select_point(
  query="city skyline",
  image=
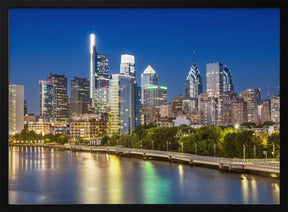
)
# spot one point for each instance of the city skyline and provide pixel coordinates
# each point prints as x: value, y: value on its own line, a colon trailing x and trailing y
x: 262, y: 59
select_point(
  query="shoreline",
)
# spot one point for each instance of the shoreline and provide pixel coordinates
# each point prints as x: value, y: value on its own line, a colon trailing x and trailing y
x: 61, y: 147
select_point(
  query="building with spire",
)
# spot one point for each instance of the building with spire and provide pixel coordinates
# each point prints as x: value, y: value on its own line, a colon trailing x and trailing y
x: 193, y: 81
x: 99, y: 78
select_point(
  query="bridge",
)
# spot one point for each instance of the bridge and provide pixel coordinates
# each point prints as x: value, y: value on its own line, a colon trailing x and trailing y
x: 263, y: 165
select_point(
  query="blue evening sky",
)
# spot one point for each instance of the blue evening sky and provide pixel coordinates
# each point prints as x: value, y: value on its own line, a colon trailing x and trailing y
x: 57, y: 41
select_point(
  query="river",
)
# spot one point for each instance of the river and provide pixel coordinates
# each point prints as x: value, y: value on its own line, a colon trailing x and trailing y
x: 39, y: 175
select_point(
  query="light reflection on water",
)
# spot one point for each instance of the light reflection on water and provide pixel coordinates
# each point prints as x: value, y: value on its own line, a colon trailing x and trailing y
x: 41, y: 176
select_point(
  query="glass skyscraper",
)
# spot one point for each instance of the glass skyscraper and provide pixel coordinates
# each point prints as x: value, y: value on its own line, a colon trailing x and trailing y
x: 98, y: 72
x: 228, y: 86
x: 80, y: 101
x: 148, y: 78
x: 47, y: 100
x: 193, y: 82
x: 60, y: 83
x: 253, y: 98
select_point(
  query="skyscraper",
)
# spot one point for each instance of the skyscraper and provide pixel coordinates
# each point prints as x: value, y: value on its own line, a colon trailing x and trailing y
x: 177, y: 105
x: 80, y: 101
x: 275, y: 109
x: 208, y: 110
x: 16, y: 108
x: 266, y: 111
x: 47, y: 100
x: 60, y: 83
x: 127, y: 65
x: 214, y: 79
x: 98, y: 72
x: 124, y: 98
x: 148, y: 78
x: 252, y: 97
x: 193, y: 81
x: 228, y: 86
x: 122, y: 115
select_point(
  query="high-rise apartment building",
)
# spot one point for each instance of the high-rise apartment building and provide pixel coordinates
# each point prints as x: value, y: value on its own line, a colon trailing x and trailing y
x: 193, y: 81
x: 124, y: 98
x: 177, y: 105
x: 252, y: 97
x: 265, y: 111
x: 16, y: 108
x: 47, y: 100
x: 275, y: 109
x: 122, y: 114
x: 207, y: 110
x: 99, y: 77
x: 60, y: 82
x: 80, y: 101
x: 239, y: 111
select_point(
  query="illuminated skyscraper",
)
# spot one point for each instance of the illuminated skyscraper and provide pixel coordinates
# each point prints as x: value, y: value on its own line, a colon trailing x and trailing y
x: 127, y: 65
x: 252, y: 97
x: 148, y: 78
x: 80, y: 101
x: 275, y: 109
x: 16, y: 108
x: 193, y: 81
x: 98, y: 72
x: 60, y: 83
x: 228, y: 86
x: 214, y: 79
x: 47, y: 100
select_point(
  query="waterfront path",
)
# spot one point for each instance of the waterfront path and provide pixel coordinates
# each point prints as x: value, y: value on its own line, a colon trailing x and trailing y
x: 262, y: 165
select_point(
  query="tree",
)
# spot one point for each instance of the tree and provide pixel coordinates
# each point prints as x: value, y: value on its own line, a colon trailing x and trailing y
x: 248, y: 124
x: 273, y: 139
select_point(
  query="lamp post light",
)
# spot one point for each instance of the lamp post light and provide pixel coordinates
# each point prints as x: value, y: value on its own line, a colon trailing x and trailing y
x: 214, y: 150
x: 152, y: 144
x: 182, y: 146
x: 195, y: 148
x: 244, y: 151
x: 273, y: 151
x: 167, y: 145
x: 254, y: 151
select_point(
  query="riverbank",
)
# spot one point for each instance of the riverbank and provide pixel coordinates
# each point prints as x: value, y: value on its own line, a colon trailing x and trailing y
x: 60, y: 147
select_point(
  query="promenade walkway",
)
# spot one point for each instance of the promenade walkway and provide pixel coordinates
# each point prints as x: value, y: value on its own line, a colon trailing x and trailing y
x: 264, y: 165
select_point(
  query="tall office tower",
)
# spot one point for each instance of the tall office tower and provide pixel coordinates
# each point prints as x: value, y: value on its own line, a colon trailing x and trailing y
x: 122, y: 114
x: 193, y: 81
x: 239, y: 111
x: 177, y: 105
x: 80, y: 101
x: 60, y: 83
x: 47, y: 100
x: 207, y: 110
x: 265, y: 111
x: 16, y: 108
x: 252, y: 97
x: 275, y: 109
x: 127, y: 65
x: 228, y: 86
x: 214, y: 79
x: 148, y: 78
x: 99, y: 77
x: 155, y: 95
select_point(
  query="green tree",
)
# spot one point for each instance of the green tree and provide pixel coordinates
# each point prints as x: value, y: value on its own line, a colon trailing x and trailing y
x: 273, y: 139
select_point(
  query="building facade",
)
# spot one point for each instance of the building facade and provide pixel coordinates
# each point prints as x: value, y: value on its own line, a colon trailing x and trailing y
x: 16, y: 108
x: 265, y: 111
x: 47, y: 100
x: 239, y: 111
x: 148, y: 78
x: 228, y: 86
x: 252, y: 97
x: 275, y: 109
x: 60, y: 84
x: 80, y: 101
x: 177, y: 105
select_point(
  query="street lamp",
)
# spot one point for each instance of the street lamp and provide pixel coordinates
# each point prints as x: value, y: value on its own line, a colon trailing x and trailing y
x: 244, y: 151
x: 214, y: 150
x: 254, y: 151
x: 152, y: 144
x: 273, y: 150
x: 182, y: 146
x: 167, y: 145
x: 195, y: 148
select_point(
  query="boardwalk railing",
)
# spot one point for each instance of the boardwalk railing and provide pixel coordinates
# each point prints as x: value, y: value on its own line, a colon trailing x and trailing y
x: 263, y: 163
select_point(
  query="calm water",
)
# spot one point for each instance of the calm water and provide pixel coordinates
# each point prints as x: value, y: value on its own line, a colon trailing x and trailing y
x: 42, y: 176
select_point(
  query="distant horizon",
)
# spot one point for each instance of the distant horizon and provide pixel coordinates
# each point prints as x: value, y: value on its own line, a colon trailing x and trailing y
x: 44, y: 41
